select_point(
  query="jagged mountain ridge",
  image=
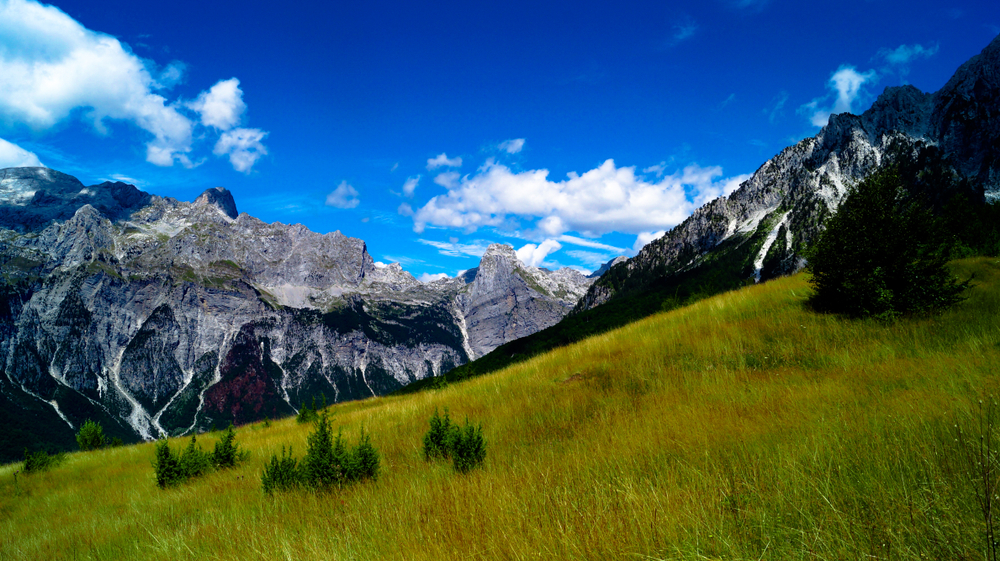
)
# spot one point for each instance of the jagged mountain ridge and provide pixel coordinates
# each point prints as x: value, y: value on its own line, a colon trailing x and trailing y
x: 161, y: 317
x: 761, y: 230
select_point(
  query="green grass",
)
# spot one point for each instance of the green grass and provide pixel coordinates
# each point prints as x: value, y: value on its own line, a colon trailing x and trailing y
x: 740, y: 427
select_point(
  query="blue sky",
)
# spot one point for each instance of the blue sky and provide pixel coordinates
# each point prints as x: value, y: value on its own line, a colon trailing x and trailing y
x: 574, y: 132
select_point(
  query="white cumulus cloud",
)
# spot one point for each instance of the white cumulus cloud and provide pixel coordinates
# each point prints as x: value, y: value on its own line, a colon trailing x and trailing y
x: 221, y: 106
x: 243, y: 147
x: 442, y: 160
x: 411, y: 185
x: 534, y: 255
x: 344, y: 196
x: 904, y: 54
x: 428, y: 277
x: 645, y: 237
x: 602, y: 200
x: 512, y: 146
x: 54, y: 69
x: 13, y: 156
x: 846, y: 84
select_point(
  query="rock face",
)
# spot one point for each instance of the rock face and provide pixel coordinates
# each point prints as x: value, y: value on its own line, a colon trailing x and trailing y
x: 507, y: 300
x: 761, y: 230
x: 165, y: 317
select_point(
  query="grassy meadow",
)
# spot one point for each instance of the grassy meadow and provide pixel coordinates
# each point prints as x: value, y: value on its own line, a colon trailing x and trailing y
x: 740, y: 427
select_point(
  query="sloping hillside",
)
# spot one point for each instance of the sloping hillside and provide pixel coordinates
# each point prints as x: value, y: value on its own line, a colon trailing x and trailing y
x: 741, y: 427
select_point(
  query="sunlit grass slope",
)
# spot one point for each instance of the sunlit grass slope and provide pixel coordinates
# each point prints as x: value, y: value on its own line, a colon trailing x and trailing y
x: 741, y: 427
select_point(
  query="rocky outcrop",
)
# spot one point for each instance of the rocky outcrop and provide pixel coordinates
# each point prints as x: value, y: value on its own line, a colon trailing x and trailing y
x: 220, y: 198
x: 507, y: 300
x: 761, y: 230
x: 165, y: 317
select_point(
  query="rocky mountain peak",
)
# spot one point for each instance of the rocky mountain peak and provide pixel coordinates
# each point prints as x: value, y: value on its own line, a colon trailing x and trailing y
x: 495, y: 269
x: 221, y: 198
x: 605, y: 267
x: 33, y: 198
x: 500, y: 251
x: 904, y: 109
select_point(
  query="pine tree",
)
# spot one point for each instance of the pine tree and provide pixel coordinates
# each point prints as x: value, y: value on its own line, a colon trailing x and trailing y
x: 469, y: 448
x: 321, y: 467
x: 166, y: 465
x: 438, y: 439
x: 282, y: 474
x: 91, y: 436
x: 365, y: 461
x: 193, y: 461
x: 227, y: 452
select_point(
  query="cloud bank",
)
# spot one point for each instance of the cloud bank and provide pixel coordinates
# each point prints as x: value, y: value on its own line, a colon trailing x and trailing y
x: 13, y: 156
x: 603, y: 200
x: 54, y: 68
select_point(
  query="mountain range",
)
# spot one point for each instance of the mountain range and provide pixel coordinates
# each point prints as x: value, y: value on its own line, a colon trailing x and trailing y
x: 160, y: 317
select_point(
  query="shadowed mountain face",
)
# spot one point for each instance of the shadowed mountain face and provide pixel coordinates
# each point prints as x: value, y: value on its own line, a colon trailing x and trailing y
x: 33, y: 198
x: 763, y: 228
x: 163, y: 317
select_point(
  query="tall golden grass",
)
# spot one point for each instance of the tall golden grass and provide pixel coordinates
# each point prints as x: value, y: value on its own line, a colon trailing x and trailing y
x: 741, y: 427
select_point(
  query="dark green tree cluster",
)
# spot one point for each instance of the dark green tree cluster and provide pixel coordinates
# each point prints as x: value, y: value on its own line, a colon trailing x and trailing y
x: 172, y: 468
x: 328, y: 462
x: 40, y: 460
x: 465, y: 446
x: 883, y: 254
x: 91, y: 437
x: 281, y: 474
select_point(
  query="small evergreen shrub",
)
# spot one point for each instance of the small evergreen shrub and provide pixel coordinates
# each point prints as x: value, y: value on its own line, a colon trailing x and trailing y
x: 322, y: 467
x: 193, y: 461
x: 39, y: 461
x: 366, y: 462
x: 91, y: 436
x: 438, y: 440
x: 328, y: 462
x: 227, y: 452
x: 166, y: 464
x: 310, y: 414
x: 172, y: 468
x: 282, y: 474
x: 466, y: 446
